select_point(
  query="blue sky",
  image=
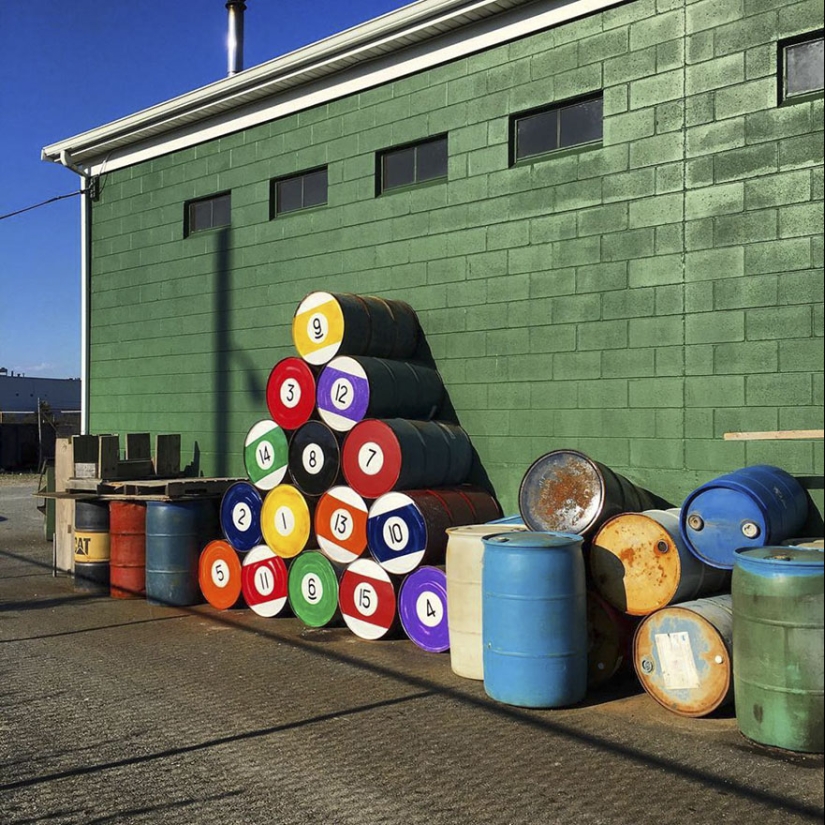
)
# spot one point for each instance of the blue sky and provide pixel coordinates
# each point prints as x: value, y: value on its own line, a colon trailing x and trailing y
x: 66, y: 67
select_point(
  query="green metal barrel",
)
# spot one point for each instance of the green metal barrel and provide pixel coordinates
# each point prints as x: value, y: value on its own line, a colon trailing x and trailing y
x: 778, y: 646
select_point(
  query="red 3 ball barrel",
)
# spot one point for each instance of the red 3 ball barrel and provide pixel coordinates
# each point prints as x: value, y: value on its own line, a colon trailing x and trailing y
x: 567, y: 491
x: 351, y: 389
x: 329, y: 324
x: 381, y: 455
x: 290, y: 393
x: 127, y: 528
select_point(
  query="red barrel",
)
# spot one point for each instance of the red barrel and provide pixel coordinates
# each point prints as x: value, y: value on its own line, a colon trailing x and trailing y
x: 290, y: 392
x: 127, y: 563
x: 380, y: 455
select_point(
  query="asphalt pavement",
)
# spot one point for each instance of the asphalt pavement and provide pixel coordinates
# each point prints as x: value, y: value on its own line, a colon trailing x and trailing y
x: 118, y: 711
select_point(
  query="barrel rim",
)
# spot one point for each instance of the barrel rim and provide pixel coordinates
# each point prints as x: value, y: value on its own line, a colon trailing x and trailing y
x: 536, y: 526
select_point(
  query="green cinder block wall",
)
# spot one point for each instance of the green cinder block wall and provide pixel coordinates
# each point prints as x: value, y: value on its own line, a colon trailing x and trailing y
x: 635, y: 301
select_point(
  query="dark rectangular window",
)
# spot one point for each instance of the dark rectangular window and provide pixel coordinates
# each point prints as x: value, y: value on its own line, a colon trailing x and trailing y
x: 299, y: 191
x: 207, y: 213
x: 415, y: 163
x: 801, y: 66
x: 573, y: 123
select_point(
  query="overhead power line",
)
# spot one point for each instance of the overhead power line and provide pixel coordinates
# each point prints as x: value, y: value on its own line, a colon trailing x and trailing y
x: 38, y: 205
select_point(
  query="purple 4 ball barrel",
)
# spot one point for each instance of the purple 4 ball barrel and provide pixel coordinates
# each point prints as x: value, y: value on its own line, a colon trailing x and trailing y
x: 422, y: 608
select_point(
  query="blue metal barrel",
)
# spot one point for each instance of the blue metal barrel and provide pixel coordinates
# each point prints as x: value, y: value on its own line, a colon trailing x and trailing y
x: 175, y: 533
x: 751, y: 507
x: 534, y: 619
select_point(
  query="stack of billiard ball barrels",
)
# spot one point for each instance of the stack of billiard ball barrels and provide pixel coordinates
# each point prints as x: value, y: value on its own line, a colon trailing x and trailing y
x: 352, y: 481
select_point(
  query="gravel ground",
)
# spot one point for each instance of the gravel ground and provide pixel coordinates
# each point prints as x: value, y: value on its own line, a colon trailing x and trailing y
x: 118, y: 712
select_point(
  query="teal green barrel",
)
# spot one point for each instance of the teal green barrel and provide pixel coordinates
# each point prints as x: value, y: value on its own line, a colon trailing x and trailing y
x: 176, y: 531
x: 534, y: 619
x: 778, y: 642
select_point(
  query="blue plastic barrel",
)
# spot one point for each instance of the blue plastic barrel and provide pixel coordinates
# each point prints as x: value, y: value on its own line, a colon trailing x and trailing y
x: 175, y: 533
x: 752, y: 507
x: 534, y: 619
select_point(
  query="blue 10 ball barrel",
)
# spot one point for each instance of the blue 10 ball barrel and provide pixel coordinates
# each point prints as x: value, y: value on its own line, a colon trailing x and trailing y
x: 534, y: 619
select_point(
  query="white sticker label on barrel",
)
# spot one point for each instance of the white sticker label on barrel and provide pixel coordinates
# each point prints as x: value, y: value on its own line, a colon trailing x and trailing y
x: 284, y: 521
x: 317, y: 327
x: 220, y: 573
x: 370, y: 458
x: 366, y: 599
x: 676, y: 660
x: 264, y: 581
x: 429, y: 608
x: 290, y: 393
x: 342, y: 394
x: 396, y: 533
x: 241, y: 516
x: 313, y: 459
x: 312, y: 589
x: 341, y: 524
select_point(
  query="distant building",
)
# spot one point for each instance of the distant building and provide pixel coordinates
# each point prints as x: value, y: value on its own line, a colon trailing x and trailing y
x: 19, y: 393
x: 26, y: 437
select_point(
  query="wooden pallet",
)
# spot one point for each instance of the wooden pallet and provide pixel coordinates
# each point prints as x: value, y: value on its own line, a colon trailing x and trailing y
x: 98, y: 456
x: 151, y: 488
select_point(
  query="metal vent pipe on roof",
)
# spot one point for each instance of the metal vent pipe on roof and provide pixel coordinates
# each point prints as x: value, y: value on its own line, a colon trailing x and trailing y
x: 236, y: 8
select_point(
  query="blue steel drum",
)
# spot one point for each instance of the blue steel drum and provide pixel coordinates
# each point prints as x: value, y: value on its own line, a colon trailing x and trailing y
x: 751, y: 507
x: 240, y: 516
x: 175, y: 533
x: 534, y: 619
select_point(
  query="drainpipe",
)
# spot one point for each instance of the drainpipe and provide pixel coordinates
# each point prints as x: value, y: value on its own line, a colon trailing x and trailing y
x: 85, y: 280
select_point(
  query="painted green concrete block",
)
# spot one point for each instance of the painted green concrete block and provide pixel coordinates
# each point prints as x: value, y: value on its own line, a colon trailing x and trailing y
x: 602, y: 335
x: 745, y: 358
x: 600, y: 219
x: 629, y: 185
x: 635, y: 243
x: 663, y: 269
x: 751, y: 161
x: 628, y: 363
x: 629, y: 127
x: 658, y: 88
x: 670, y: 178
x: 637, y: 64
x: 656, y: 393
x: 605, y: 393
x: 656, y: 332
x: 717, y: 200
x: 715, y: 137
x: 576, y: 366
x: 670, y: 300
x: 715, y: 391
x: 662, y: 209
x: 805, y: 287
x: 715, y: 327
x: 714, y: 74
x: 801, y: 355
x: 602, y: 277
x: 777, y: 323
x: 656, y: 150
x: 745, y: 228
x: 778, y: 190
x: 778, y: 256
x: 778, y: 389
x: 801, y: 219
x: 657, y: 29
x: 740, y: 293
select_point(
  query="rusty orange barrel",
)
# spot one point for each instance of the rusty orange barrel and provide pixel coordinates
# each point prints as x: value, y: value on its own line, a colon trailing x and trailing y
x: 683, y: 655
x: 609, y: 641
x: 127, y: 528
x: 640, y: 563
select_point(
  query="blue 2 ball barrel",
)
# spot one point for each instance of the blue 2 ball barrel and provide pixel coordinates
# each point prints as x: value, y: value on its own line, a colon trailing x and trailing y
x: 752, y: 507
x: 175, y: 533
x: 534, y: 619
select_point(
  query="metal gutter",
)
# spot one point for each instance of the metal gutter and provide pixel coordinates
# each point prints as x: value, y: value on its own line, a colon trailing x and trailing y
x: 412, y: 39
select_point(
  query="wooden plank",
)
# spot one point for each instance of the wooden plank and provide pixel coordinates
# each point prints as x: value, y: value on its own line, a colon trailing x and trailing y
x: 109, y: 456
x: 138, y: 447
x: 85, y: 449
x: 137, y: 468
x: 167, y: 455
x: 64, y: 508
x: 776, y: 435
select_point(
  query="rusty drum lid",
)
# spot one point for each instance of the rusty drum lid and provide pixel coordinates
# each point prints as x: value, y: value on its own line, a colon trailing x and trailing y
x: 562, y: 491
x: 635, y: 563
